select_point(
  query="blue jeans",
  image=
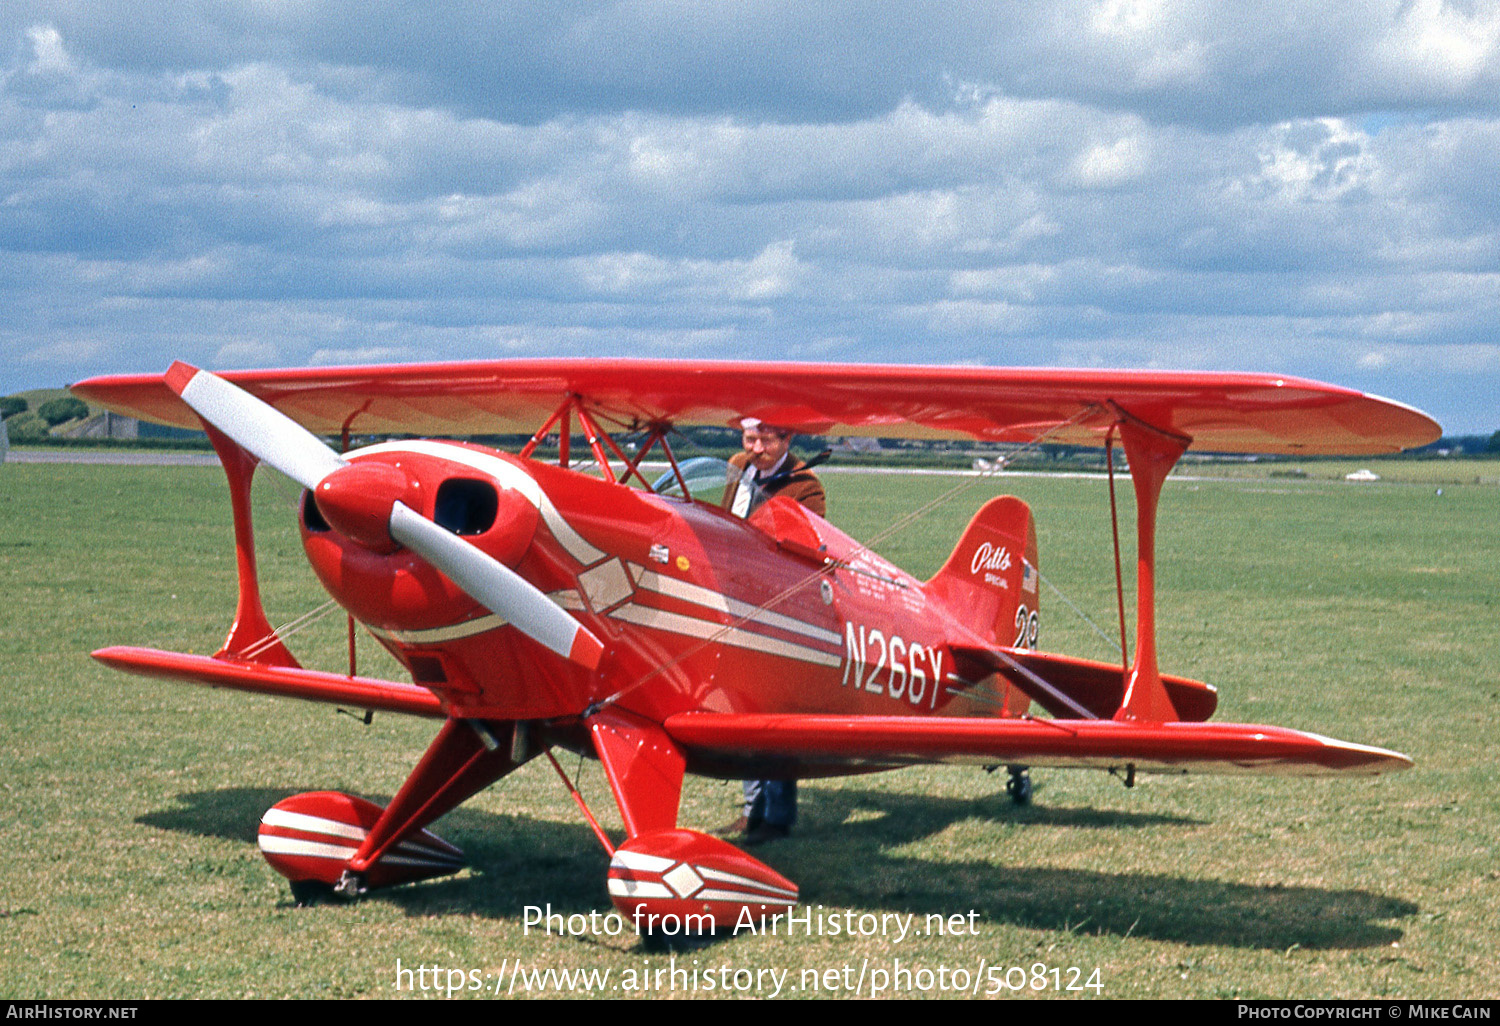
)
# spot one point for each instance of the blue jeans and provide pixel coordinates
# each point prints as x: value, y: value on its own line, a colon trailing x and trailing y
x: 773, y: 802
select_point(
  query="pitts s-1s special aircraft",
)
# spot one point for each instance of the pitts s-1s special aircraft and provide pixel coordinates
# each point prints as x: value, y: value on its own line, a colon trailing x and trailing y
x: 535, y: 605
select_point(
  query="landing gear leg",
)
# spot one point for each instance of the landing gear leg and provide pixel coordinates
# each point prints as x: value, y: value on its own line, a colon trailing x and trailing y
x: 305, y: 837
x: 307, y: 893
x: 351, y: 886
x: 1019, y: 785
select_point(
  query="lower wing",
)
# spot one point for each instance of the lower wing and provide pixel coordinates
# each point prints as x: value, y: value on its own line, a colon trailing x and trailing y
x: 288, y: 682
x: 813, y: 745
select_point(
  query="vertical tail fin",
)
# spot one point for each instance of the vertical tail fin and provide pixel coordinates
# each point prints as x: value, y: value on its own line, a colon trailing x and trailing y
x: 991, y: 578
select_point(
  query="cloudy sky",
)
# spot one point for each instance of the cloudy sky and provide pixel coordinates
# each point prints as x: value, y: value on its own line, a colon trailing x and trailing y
x: 1306, y: 188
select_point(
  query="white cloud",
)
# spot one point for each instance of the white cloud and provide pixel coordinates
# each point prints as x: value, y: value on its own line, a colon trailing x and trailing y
x: 246, y: 353
x: 771, y: 274
x: 49, y: 55
x: 1441, y: 48
x: 64, y: 353
x: 356, y: 355
x: 1125, y: 182
x: 1148, y: 35
x: 1111, y: 165
x: 1321, y: 160
x: 1458, y: 360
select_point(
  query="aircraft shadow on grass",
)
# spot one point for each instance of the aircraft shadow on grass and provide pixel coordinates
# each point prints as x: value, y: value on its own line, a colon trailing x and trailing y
x: 843, y: 862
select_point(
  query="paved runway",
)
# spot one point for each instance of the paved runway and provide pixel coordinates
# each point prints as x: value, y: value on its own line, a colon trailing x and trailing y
x: 122, y: 457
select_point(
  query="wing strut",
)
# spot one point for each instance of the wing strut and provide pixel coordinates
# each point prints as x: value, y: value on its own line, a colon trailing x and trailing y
x: 250, y: 636
x: 1152, y: 454
x: 596, y: 437
x: 1114, y: 526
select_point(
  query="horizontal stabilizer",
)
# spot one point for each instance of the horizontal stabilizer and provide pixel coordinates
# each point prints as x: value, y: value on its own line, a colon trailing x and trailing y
x: 813, y: 741
x: 1072, y: 688
x: 311, y: 685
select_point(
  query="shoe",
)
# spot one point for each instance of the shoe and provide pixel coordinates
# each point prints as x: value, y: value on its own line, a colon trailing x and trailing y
x: 765, y: 833
x: 738, y: 828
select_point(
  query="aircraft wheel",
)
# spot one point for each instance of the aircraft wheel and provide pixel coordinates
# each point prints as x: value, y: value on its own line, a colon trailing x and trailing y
x: 1019, y: 785
x: 307, y: 893
x: 656, y: 943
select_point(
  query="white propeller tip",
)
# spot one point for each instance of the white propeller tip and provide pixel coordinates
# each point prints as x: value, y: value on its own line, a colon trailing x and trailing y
x: 179, y: 375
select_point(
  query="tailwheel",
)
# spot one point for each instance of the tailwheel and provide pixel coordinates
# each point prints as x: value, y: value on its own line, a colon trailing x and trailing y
x: 1019, y: 785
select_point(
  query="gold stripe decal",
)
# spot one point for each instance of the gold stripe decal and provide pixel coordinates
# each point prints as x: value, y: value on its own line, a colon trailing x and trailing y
x: 692, y: 627
x: 437, y: 635
x: 701, y: 596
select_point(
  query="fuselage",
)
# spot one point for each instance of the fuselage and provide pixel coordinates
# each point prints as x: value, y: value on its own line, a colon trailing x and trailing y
x: 698, y: 609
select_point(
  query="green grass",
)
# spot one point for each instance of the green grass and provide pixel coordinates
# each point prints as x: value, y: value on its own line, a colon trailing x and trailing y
x: 129, y: 870
x: 1392, y: 470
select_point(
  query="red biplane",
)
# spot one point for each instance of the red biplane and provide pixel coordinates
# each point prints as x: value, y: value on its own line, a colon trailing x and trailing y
x: 535, y: 605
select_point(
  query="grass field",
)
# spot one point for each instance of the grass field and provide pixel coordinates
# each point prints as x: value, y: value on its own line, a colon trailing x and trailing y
x: 1437, y: 472
x: 129, y: 869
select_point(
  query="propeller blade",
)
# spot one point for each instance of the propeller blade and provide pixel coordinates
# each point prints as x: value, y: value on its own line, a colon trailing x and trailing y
x: 255, y: 426
x: 276, y: 439
x: 497, y: 587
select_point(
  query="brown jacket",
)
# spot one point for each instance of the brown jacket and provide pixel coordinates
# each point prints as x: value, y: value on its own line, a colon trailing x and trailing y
x: 800, y: 485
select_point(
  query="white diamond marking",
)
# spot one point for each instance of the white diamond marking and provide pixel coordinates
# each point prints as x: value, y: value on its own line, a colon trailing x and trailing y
x: 684, y: 880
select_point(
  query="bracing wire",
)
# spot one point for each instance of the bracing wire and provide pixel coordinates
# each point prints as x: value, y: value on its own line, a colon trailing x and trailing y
x: 1112, y: 642
x: 289, y: 628
x: 900, y: 524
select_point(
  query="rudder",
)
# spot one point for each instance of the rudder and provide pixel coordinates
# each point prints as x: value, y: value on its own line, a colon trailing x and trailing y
x: 991, y: 578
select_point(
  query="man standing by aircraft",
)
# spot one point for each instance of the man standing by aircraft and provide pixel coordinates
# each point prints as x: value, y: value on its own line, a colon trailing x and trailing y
x: 765, y: 468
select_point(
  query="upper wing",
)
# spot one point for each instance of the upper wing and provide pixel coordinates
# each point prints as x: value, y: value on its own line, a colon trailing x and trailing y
x: 804, y: 745
x: 1221, y: 412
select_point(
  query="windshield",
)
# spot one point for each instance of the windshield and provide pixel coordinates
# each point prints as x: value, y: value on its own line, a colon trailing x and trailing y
x: 705, y: 476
